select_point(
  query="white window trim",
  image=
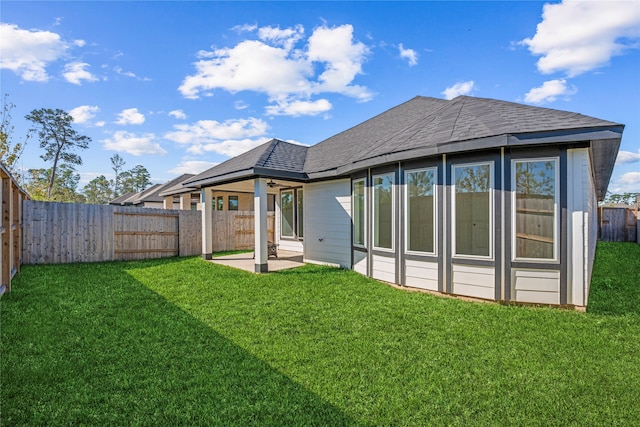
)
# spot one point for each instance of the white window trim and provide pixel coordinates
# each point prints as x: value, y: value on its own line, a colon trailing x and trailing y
x: 293, y: 212
x: 491, y: 164
x: 364, y: 217
x: 393, y: 211
x: 556, y: 205
x: 435, y: 211
x: 296, y: 214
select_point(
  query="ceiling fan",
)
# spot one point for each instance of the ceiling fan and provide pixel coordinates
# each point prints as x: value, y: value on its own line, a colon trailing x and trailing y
x: 273, y: 184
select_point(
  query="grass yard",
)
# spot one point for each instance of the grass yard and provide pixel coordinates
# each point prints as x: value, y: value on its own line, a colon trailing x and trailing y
x: 186, y: 342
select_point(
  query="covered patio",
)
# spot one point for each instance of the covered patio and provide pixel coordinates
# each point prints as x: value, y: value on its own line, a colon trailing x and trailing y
x: 246, y: 261
x: 272, y: 169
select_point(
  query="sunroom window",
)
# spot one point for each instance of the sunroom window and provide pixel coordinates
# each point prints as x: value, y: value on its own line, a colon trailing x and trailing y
x: 536, y: 208
x: 359, y: 212
x: 383, y: 211
x: 420, y: 208
x: 473, y: 209
x: 300, y: 212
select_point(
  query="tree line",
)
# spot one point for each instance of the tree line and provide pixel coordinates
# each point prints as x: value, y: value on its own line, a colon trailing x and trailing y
x: 60, y: 143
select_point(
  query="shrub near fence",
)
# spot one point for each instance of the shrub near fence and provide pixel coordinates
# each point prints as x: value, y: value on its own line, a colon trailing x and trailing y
x: 60, y: 233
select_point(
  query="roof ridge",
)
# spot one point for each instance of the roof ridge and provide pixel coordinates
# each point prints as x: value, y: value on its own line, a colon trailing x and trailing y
x: 380, y: 142
x: 455, y: 122
x: 266, y: 154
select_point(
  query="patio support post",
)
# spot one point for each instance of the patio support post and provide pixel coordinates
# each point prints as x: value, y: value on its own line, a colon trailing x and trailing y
x: 185, y: 202
x: 260, y: 217
x: 207, y: 222
x: 167, y: 203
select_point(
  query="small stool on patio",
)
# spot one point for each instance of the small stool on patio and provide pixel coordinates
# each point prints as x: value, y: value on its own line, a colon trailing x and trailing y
x: 272, y: 250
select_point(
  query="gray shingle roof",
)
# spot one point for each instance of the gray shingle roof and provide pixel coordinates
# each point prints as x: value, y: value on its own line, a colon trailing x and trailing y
x: 423, y: 123
x: 137, y: 198
x: 122, y: 199
x: 275, y: 155
x: 151, y: 194
x: 175, y: 186
x: 424, y: 127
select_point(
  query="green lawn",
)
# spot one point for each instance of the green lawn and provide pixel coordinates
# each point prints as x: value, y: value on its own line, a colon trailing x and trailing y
x: 186, y: 342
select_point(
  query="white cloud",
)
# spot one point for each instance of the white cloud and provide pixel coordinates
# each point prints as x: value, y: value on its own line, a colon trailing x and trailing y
x: 136, y: 144
x: 229, y: 148
x: 329, y: 62
x: 549, y: 92
x: 627, y: 183
x: 286, y: 38
x: 460, y: 88
x: 245, y: 28
x: 192, y: 166
x: 342, y: 60
x: 240, y: 105
x: 131, y: 74
x: 242, y: 68
x: 100, y: 124
x: 79, y: 43
x: 178, y: 114
x: 627, y: 157
x: 229, y: 138
x: 130, y: 116
x: 84, y: 113
x: 120, y: 71
x: 27, y: 53
x: 578, y: 36
x: 409, y: 54
x: 75, y: 72
x: 299, y: 108
x: 208, y: 131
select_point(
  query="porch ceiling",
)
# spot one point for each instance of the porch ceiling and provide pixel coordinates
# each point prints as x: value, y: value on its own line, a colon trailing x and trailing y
x: 246, y: 186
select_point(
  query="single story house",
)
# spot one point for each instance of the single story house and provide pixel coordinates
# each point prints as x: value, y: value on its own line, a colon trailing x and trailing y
x: 152, y: 197
x: 470, y: 196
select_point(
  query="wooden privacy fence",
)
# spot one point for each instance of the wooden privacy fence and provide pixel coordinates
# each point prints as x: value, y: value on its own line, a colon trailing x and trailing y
x: 59, y: 233
x: 233, y: 230
x: 11, y: 197
x: 618, y: 224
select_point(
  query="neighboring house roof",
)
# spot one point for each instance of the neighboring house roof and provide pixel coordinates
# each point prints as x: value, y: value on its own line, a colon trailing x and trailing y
x: 138, y: 198
x: 175, y: 187
x: 122, y: 199
x: 150, y: 195
x: 423, y: 127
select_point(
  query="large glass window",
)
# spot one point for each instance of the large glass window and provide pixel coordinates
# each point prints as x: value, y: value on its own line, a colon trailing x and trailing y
x: 420, y: 209
x: 536, y: 208
x: 359, y: 212
x: 383, y: 211
x: 300, y: 214
x: 473, y: 209
x: 286, y: 213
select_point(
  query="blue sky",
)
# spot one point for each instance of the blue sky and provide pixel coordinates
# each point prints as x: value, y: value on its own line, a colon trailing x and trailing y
x: 180, y: 86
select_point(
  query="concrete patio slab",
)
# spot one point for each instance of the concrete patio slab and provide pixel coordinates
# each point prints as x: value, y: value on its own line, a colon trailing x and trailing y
x: 245, y: 261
